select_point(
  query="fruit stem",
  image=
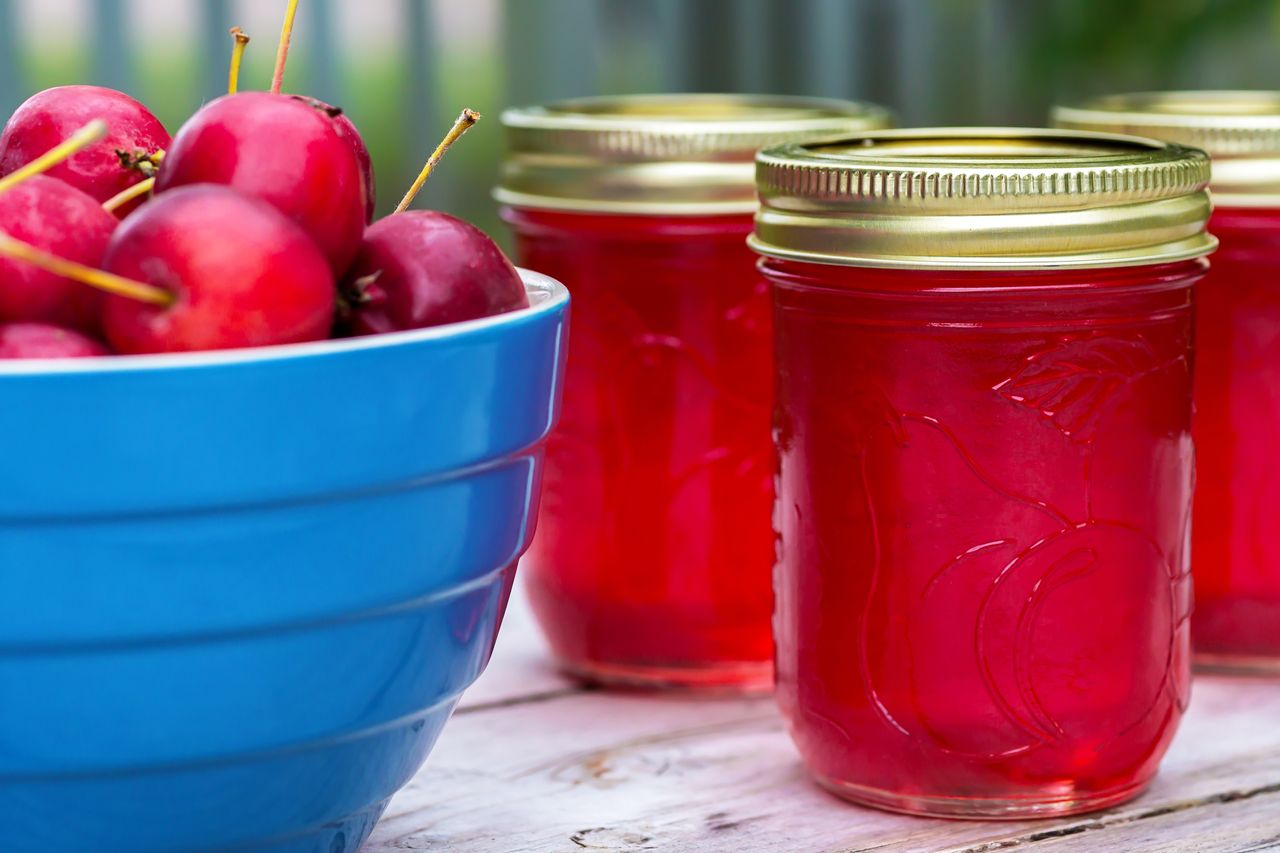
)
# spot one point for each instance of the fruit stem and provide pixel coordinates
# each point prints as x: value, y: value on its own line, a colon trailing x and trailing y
x: 120, y: 199
x: 85, y: 136
x: 237, y: 57
x: 282, y: 52
x: 104, y: 281
x: 461, y: 126
x: 140, y: 161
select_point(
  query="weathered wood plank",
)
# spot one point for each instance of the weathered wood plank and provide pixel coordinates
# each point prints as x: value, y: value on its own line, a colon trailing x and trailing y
x: 1235, y: 824
x: 592, y: 770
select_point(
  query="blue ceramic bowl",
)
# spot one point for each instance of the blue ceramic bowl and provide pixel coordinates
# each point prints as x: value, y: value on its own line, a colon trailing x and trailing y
x: 241, y: 592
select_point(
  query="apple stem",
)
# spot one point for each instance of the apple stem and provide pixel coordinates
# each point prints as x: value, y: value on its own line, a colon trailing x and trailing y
x: 461, y: 126
x: 120, y: 199
x: 85, y: 136
x: 96, y: 278
x: 282, y: 52
x: 237, y: 57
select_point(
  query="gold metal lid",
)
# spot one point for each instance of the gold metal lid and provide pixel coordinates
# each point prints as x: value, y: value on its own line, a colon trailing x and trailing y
x: 660, y: 154
x: 1240, y: 130
x: 983, y: 198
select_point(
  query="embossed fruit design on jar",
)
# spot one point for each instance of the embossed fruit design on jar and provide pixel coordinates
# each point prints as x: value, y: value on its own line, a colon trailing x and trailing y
x: 1235, y: 552
x: 652, y: 561
x: 984, y: 381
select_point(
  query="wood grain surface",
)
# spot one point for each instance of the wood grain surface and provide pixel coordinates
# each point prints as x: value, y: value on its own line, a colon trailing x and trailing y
x: 534, y: 762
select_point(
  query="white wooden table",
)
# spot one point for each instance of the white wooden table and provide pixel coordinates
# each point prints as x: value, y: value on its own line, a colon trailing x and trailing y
x: 534, y: 762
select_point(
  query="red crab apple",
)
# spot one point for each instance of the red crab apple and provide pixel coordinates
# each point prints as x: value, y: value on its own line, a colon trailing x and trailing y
x: 283, y: 150
x: 57, y: 218
x: 240, y: 274
x: 345, y: 126
x: 424, y: 268
x: 351, y: 135
x: 41, y: 340
x: 50, y: 117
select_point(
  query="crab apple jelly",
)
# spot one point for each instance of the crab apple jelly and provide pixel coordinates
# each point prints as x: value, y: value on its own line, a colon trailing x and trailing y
x: 652, y: 561
x: 984, y: 375
x: 1235, y: 550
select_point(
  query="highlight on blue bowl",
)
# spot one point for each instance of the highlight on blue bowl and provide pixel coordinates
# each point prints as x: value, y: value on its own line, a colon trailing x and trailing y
x: 242, y: 591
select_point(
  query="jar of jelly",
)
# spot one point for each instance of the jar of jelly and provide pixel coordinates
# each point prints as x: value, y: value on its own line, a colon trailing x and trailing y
x: 983, y: 421
x: 1235, y: 553
x: 651, y: 565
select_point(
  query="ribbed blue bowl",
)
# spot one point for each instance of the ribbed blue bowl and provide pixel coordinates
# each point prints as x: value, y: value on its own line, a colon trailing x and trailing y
x: 241, y: 592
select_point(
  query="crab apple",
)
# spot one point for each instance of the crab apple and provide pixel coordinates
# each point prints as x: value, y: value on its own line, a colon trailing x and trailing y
x: 57, y: 218
x: 281, y: 149
x: 102, y: 170
x: 241, y: 274
x: 41, y: 340
x: 424, y: 268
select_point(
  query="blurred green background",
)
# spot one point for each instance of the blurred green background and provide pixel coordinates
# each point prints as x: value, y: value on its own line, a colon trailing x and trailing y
x: 404, y: 68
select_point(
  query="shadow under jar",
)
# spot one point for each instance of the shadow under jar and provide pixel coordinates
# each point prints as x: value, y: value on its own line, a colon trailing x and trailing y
x: 652, y: 562
x: 1235, y: 550
x: 983, y: 425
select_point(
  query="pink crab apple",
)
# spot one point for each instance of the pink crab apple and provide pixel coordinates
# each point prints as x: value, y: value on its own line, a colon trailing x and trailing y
x: 240, y: 274
x: 102, y: 170
x: 287, y: 151
x: 425, y: 268
x: 41, y: 340
x: 350, y: 134
x: 420, y: 268
x: 57, y: 218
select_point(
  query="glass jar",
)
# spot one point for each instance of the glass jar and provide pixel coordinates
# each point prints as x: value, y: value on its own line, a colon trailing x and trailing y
x: 985, y: 478
x: 1235, y: 554
x: 652, y: 561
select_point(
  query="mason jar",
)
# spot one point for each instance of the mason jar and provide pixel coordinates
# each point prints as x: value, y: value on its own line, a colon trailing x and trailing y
x: 984, y: 378
x: 1235, y: 553
x: 652, y: 560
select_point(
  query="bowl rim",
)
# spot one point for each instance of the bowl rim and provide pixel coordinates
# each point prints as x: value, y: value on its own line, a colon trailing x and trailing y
x: 554, y: 297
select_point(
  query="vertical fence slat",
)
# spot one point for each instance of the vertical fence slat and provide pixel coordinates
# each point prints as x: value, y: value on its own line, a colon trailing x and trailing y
x: 995, y: 33
x: 754, y: 46
x: 521, y: 53
x: 675, y: 48
x: 831, y: 37
x: 630, y: 41
x: 11, y: 73
x: 711, y: 57
x: 422, y: 91
x: 111, y: 50
x: 215, y: 46
x: 877, y: 48
x: 551, y: 49
x: 914, y: 62
x: 786, y: 25
x: 323, y: 67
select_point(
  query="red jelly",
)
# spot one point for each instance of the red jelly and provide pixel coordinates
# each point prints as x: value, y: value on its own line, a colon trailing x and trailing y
x: 1235, y: 554
x: 652, y: 561
x: 983, y: 421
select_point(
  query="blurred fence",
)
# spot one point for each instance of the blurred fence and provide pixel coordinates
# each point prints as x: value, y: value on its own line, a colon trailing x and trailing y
x: 933, y: 61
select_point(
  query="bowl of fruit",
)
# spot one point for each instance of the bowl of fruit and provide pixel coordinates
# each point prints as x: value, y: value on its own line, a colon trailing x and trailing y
x: 270, y: 471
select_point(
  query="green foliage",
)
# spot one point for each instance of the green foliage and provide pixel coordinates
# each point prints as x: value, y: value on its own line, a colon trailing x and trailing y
x: 1101, y: 44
